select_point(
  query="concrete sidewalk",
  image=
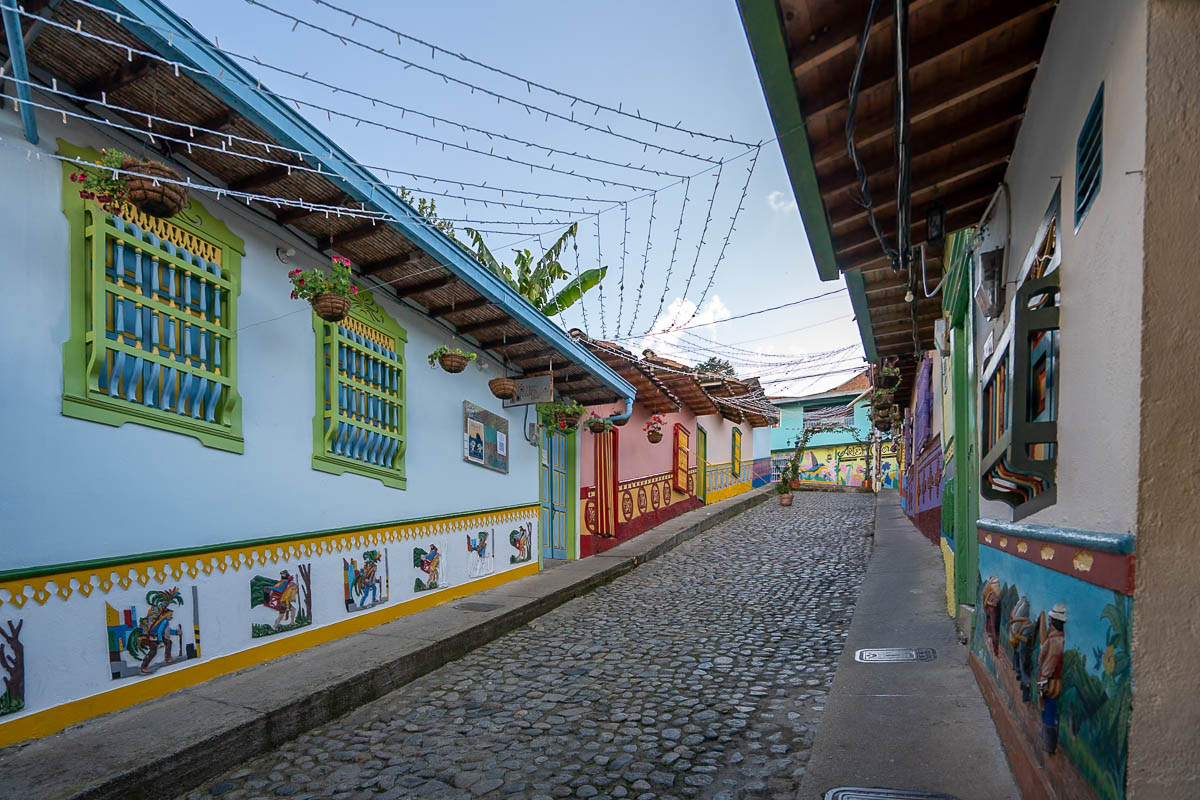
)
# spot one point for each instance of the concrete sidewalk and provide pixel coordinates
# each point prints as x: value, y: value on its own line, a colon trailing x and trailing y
x: 919, y: 726
x: 164, y: 747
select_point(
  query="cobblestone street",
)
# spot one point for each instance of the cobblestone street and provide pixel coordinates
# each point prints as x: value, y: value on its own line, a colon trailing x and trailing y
x: 700, y: 674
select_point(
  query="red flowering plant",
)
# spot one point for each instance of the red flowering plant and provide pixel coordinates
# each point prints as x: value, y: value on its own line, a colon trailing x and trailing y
x: 308, y: 284
x: 654, y: 424
x: 106, y: 186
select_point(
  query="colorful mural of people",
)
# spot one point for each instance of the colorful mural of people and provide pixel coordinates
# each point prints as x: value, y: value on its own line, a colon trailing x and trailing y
x: 290, y: 597
x: 522, y: 540
x: 479, y: 555
x: 140, y: 644
x: 1068, y: 687
x: 365, y: 586
x: 12, y: 659
x: 430, y: 562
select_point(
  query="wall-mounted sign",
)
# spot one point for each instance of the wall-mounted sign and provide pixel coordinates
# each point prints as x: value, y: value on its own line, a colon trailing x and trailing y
x: 532, y: 390
x: 485, y: 438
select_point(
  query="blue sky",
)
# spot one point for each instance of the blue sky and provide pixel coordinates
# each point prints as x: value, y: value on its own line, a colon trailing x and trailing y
x: 690, y: 67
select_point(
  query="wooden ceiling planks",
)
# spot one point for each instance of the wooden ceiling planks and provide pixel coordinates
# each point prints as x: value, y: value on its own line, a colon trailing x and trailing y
x: 972, y: 63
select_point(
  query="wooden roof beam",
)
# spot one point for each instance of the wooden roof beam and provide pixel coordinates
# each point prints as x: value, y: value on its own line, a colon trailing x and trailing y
x: 954, y: 202
x: 347, y: 237
x: 391, y: 262
x: 454, y: 308
x: 1007, y: 66
x: 944, y: 43
x: 129, y: 72
x: 294, y: 215
x: 871, y: 260
x: 475, y: 327
x: 259, y: 180
x: 506, y: 342
x: 842, y: 37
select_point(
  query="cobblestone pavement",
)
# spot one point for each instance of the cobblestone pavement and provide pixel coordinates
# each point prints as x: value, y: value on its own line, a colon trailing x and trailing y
x: 701, y: 674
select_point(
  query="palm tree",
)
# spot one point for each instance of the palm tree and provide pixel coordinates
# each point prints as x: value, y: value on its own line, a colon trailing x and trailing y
x: 535, y: 281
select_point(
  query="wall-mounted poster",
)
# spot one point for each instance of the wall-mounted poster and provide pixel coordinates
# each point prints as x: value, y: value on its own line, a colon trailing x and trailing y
x: 485, y: 438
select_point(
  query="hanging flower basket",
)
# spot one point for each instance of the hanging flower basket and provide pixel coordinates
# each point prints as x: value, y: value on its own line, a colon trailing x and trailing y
x: 453, y: 361
x: 504, y: 388
x: 653, y: 428
x: 153, y: 190
x: 621, y: 423
x: 331, y: 307
x: 597, y: 426
x: 567, y: 420
x: 654, y: 437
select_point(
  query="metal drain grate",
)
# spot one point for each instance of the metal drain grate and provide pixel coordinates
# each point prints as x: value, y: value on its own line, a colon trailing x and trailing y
x: 477, y: 606
x: 894, y: 655
x: 852, y: 793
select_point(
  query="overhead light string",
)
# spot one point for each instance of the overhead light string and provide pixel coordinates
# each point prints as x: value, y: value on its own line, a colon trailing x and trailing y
x: 645, y: 262
x: 699, y: 246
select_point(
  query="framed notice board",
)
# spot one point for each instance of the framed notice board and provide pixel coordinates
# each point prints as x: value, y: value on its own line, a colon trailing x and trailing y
x: 485, y: 438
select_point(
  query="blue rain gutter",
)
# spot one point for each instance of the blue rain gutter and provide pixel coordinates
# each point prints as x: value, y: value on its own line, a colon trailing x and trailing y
x: 16, y: 51
x: 238, y: 88
x: 626, y: 415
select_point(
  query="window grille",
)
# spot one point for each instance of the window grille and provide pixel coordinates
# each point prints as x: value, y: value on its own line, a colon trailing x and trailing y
x: 1089, y: 158
x: 154, y: 321
x: 360, y: 422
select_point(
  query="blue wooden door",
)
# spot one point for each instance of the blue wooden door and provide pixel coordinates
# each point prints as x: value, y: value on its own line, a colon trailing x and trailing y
x: 554, y: 496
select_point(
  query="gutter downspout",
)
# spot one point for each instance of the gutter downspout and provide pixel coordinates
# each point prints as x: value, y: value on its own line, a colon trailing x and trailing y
x: 16, y: 50
x: 628, y: 411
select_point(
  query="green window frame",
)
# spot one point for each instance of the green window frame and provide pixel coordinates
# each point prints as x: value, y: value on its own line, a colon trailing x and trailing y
x: 153, y: 310
x: 736, y: 451
x: 360, y: 421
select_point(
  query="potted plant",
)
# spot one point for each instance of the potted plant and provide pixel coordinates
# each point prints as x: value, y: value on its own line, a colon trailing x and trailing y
x: 566, y: 416
x: 889, y: 377
x: 653, y: 428
x: 451, y: 360
x: 328, y: 294
x: 622, y: 422
x: 784, y: 487
x: 598, y: 424
x: 152, y: 187
x: 503, y: 387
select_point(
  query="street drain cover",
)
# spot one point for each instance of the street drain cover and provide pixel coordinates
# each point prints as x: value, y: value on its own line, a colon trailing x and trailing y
x: 851, y: 793
x: 892, y: 655
x: 477, y: 606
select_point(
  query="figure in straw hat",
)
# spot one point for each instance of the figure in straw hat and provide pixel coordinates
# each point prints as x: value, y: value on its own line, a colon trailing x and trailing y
x: 1050, y: 666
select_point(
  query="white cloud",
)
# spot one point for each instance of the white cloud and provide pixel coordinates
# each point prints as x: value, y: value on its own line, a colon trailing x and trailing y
x: 677, y: 315
x: 779, y: 201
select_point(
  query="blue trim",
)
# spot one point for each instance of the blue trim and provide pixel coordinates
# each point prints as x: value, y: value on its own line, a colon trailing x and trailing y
x: 16, y: 49
x: 862, y: 313
x: 1121, y: 543
x: 236, y: 87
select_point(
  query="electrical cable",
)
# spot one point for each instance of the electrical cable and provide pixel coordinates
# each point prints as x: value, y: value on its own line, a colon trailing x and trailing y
x: 736, y: 316
x: 528, y: 83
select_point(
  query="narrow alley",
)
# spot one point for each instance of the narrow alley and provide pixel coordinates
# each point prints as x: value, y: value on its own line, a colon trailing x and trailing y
x: 701, y: 674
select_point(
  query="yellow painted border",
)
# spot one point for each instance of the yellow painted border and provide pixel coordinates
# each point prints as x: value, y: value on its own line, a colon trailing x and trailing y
x: 54, y: 719
x: 163, y: 570
x: 729, y: 491
x: 948, y: 561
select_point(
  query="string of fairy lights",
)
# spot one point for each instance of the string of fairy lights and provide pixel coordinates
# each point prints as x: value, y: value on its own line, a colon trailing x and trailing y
x: 522, y: 206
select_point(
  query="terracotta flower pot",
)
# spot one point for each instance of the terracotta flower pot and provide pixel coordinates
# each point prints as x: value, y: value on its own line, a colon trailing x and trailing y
x: 654, y: 436
x: 453, y: 362
x: 504, y: 388
x: 331, y: 307
x: 786, y: 499
x: 158, y: 199
x: 565, y: 421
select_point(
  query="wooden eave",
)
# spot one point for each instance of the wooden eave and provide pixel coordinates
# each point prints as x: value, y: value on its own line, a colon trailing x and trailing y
x: 384, y: 258
x: 972, y: 63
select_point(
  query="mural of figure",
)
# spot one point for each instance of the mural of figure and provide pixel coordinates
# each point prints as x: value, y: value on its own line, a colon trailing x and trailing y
x: 140, y: 644
x: 12, y: 659
x: 366, y: 586
x: 1050, y: 667
x: 520, y: 539
x: 1021, y: 633
x: 430, y: 563
x: 479, y: 555
x: 290, y: 597
x: 991, y: 611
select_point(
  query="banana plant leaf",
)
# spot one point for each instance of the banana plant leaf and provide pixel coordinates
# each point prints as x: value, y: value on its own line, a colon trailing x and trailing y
x: 574, y: 290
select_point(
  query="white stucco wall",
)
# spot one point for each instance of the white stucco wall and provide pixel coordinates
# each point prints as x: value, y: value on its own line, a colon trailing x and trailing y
x: 72, y: 490
x: 1091, y: 42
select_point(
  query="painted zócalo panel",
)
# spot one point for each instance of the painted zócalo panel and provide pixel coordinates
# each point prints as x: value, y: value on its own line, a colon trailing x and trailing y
x: 1054, y: 637
x: 179, y: 619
